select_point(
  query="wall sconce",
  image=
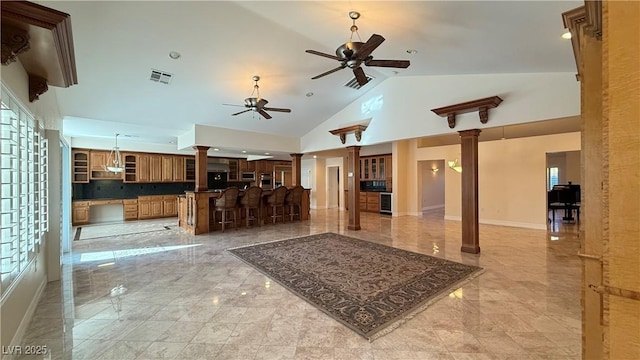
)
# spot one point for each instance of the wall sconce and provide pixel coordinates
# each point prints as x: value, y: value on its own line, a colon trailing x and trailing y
x: 453, y: 165
x: 434, y: 170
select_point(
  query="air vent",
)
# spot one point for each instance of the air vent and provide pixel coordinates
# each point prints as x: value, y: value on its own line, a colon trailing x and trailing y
x: 160, y: 76
x: 353, y: 83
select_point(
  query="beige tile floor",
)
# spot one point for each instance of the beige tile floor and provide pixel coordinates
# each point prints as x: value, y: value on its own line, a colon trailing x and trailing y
x: 189, y: 299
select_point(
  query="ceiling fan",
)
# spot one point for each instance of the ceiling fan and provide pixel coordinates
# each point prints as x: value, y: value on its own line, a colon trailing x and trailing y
x: 256, y: 103
x: 355, y: 53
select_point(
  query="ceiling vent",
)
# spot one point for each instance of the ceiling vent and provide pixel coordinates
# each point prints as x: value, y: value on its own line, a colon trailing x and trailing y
x: 160, y: 76
x: 353, y: 83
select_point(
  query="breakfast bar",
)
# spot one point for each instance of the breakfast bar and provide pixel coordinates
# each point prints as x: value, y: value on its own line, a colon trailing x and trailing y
x: 197, y: 215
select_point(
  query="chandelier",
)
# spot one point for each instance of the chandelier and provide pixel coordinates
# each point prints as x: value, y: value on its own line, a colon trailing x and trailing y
x: 114, y: 161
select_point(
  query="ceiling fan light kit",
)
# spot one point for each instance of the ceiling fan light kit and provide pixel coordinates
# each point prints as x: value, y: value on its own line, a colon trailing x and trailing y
x: 353, y: 54
x: 256, y: 103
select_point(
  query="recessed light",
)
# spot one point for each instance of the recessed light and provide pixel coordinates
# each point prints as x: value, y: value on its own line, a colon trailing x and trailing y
x: 412, y: 51
x: 172, y: 142
x: 174, y: 55
x: 216, y: 149
x: 244, y: 151
x: 567, y: 35
x: 309, y: 94
x: 267, y: 153
x: 315, y: 156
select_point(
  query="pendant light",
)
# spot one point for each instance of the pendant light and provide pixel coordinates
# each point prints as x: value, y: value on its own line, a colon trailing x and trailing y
x: 114, y: 161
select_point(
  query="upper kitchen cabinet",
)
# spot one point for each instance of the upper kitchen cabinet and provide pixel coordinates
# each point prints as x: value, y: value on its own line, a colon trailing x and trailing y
x: 80, y: 166
x: 98, y: 160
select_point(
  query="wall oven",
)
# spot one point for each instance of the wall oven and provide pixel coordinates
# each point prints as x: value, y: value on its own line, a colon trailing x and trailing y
x: 266, y: 181
x: 248, y: 176
x: 386, y: 199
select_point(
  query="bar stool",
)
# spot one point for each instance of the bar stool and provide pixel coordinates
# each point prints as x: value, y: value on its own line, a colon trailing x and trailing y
x: 227, y: 201
x: 251, y: 200
x: 293, y: 201
x: 275, y: 201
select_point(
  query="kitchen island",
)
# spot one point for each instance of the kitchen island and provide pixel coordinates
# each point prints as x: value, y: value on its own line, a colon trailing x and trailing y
x: 195, y: 209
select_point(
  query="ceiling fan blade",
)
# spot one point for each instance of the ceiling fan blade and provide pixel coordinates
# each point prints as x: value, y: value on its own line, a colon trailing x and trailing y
x: 234, y: 105
x: 323, y: 54
x: 264, y: 113
x: 365, y: 50
x: 329, y: 72
x: 243, y: 111
x: 360, y: 76
x: 277, y: 109
x: 261, y: 103
x: 389, y: 63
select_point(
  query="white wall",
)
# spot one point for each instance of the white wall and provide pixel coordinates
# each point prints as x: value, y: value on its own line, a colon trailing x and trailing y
x: 401, y: 106
x: 229, y: 138
x: 573, y: 167
x: 18, y: 306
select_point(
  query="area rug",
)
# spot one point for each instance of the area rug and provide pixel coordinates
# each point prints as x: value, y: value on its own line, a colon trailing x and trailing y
x: 368, y: 287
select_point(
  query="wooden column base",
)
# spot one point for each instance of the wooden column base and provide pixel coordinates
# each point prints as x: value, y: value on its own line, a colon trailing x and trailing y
x: 470, y: 249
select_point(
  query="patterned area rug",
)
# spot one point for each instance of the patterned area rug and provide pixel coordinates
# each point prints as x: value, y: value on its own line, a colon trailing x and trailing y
x: 368, y: 287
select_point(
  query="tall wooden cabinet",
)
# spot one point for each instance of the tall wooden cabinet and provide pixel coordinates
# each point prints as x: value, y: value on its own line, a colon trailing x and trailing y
x: 155, y: 168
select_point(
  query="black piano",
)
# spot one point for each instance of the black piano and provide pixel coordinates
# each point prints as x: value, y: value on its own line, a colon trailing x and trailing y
x: 564, y: 197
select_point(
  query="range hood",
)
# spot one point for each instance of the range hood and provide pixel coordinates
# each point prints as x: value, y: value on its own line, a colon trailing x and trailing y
x: 214, y: 166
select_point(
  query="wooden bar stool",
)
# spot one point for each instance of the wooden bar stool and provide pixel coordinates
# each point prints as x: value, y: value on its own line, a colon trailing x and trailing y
x: 249, y: 201
x: 294, y: 201
x: 227, y: 201
x: 275, y: 201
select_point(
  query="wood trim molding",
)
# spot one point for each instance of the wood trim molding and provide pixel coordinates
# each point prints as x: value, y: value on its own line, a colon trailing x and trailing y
x: 342, y: 132
x: 35, y: 18
x: 37, y: 87
x: 586, y: 20
x: 482, y: 106
x: 15, y: 41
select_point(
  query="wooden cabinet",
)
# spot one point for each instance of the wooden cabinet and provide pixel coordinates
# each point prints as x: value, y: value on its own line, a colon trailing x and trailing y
x: 243, y: 165
x: 369, y: 201
x: 80, y: 166
x: 179, y: 169
x: 155, y: 168
x: 234, y: 168
x: 130, y: 168
x: 97, y: 171
x: 190, y: 168
x: 167, y: 168
x: 388, y: 174
x: 375, y: 167
x: 142, y: 168
x: 130, y: 209
x: 170, y: 205
x: 156, y: 206
x: 250, y: 166
x: 373, y: 202
x: 80, y: 213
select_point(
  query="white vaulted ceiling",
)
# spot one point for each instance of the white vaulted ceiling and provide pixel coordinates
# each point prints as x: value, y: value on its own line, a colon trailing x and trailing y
x: 224, y: 43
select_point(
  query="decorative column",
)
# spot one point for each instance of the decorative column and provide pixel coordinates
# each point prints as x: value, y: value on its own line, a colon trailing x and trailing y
x: 296, y: 169
x: 353, y: 180
x: 469, y: 150
x: 201, y: 168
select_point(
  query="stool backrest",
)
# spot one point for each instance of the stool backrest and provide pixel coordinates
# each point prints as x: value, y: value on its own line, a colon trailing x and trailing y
x: 294, y: 196
x: 228, y: 198
x: 251, y: 197
x: 278, y: 195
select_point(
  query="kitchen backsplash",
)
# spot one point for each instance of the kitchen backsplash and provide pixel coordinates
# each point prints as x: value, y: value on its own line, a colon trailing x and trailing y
x: 115, y: 189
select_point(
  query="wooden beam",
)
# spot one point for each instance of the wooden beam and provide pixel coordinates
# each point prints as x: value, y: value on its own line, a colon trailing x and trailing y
x: 296, y: 169
x: 470, y: 217
x: 353, y: 180
x: 201, y: 168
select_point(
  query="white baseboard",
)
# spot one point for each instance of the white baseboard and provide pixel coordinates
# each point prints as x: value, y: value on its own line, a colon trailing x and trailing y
x: 433, y: 207
x: 502, y: 223
x: 26, y: 319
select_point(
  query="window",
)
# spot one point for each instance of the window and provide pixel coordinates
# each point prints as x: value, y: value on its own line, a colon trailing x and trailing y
x: 552, y: 177
x: 23, y: 205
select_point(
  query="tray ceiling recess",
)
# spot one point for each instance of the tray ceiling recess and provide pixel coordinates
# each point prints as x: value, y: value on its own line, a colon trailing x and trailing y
x: 41, y: 38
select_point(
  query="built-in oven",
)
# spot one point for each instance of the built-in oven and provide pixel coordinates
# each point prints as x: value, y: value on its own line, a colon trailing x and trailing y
x: 248, y: 176
x: 266, y: 181
x: 386, y: 200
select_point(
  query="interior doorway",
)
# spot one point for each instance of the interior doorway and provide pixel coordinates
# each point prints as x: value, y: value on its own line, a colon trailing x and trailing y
x: 333, y: 187
x: 431, y: 184
x: 563, y: 191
